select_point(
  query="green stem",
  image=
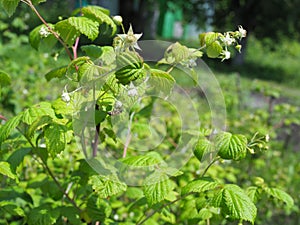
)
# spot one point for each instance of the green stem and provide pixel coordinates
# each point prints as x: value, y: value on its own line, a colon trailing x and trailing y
x: 209, y: 165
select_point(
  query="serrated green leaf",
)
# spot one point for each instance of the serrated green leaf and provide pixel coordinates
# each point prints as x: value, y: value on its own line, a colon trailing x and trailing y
x: 38, y: 124
x: 5, y: 79
x: 55, y: 137
x: 71, y: 214
x: 161, y: 80
x: 67, y: 32
x: 9, y: 126
x: 200, y: 185
x: 98, y: 209
x: 10, y: 6
x: 6, y: 171
x: 85, y: 26
x: 36, y: 111
x: 156, y: 187
x: 89, y: 72
x: 280, y: 195
x: 17, y: 157
x: 231, y: 146
x: 203, y: 147
x: 141, y: 160
x: 214, y: 49
x: 56, y: 73
x: 106, y: 186
x: 253, y: 193
x: 235, y: 203
x: 97, y: 13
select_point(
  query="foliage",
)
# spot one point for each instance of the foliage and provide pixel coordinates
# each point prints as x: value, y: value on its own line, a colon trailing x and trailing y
x: 48, y: 180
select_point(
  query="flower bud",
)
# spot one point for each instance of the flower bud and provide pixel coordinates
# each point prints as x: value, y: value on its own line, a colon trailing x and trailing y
x: 118, y: 20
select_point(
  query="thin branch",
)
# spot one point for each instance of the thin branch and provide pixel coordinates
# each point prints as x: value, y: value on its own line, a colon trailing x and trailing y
x: 209, y: 165
x: 3, y: 117
x: 128, y: 138
x: 56, y: 35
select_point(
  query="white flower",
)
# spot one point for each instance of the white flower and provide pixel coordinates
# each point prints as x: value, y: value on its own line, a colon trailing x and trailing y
x: 118, y: 104
x: 267, y: 138
x: 118, y: 20
x: 228, y: 40
x: 44, y: 32
x: 132, y: 90
x: 242, y: 31
x: 65, y: 97
x: 130, y: 39
x: 225, y: 54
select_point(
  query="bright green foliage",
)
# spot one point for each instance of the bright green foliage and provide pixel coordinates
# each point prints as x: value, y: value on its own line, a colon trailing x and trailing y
x: 235, y: 203
x: 201, y: 185
x: 231, y: 146
x: 156, y: 187
x: 6, y: 171
x: 107, y: 186
x: 109, y: 82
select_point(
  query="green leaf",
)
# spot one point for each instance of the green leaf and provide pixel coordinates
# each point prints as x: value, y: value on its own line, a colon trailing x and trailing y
x: 89, y: 72
x: 17, y: 157
x: 231, y: 146
x: 67, y: 32
x: 98, y: 14
x: 161, y: 80
x: 280, y: 195
x: 85, y: 26
x: 214, y: 49
x: 235, y: 203
x: 5, y: 79
x: 35, y: 38
x: 38, y: 124
x: 56, y: 73
x: 55, y: 137
x: 12, y: 208
x: 203, y: 147
x: 142, y: 160
x: 92, y: 51
x: 98, y: 209
x: 130, y: 67
x: 200, y: 185
x: 10, y: 6
x: 71, y: 214
x: 156, y: 188
x: 36, y: 111
x: 106, y: 186
x: 6, y: 171
x: 9, y: 126
x: 253, y: 193
x: 42, y: 215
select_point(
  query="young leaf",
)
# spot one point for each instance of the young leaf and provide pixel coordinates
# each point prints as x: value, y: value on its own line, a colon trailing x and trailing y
x: 55, y: 138
x: 10, y: 6
x: 6, y: 171
x: 214, y: 49
x: 5, y: 79
x: 231, y: 146
x: 253, y: 193
x: 161, y: 80
x: 56, y: 73
x: 200, y: 185
x: 67, y: 32
x: 36, y: 111
x: 142, y: 160
x: 97, y: 13
x: 235, y: 203
x: 157, y: 186
x: 92, y: 51
x: 85, y: 26
x: 280, y: 195
x: 9, y: 126
x: 202, y: 147
x: 106, y: 186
